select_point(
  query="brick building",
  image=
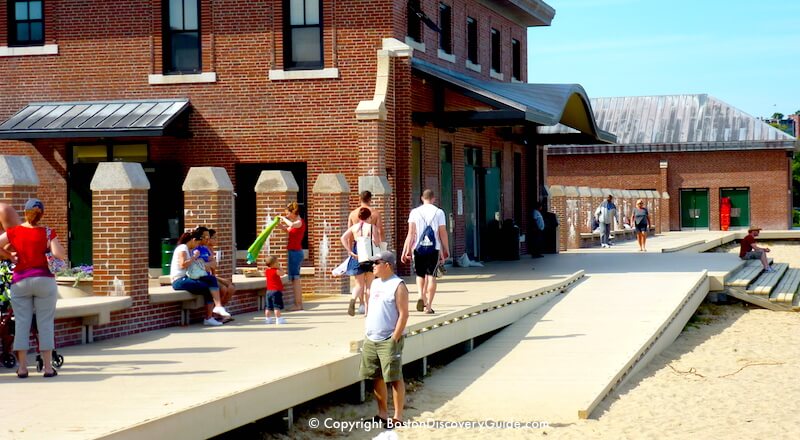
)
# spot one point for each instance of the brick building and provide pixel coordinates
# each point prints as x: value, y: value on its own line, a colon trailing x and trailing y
x: 395, y: 96
x: 696, y: 148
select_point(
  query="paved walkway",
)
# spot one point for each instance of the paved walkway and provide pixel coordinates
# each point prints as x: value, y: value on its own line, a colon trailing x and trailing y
x: 115, y: 388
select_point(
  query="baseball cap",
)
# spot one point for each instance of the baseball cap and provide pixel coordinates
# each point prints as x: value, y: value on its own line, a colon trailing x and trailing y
x: 34, y: 203
x: 385, y: 256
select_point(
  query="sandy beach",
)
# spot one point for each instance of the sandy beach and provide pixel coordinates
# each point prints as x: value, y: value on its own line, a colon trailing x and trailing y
x: 732, y: 373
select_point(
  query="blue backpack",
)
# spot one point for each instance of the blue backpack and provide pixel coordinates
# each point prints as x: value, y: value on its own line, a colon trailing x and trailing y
x: 427, y: 243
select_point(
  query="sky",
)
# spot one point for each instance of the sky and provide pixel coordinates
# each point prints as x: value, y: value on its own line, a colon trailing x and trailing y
x: 744, y: 52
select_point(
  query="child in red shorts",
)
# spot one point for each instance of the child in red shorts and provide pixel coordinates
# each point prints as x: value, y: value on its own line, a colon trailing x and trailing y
x: 274, y: 292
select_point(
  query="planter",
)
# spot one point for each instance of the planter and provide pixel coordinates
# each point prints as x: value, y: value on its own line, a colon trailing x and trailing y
x: 69, y: 288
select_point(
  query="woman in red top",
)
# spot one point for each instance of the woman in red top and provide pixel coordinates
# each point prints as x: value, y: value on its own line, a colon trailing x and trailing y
x: 296, y: 227
x: 32, y: 285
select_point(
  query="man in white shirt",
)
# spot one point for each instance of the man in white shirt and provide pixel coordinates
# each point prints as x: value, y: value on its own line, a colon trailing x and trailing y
x: 425, y: 262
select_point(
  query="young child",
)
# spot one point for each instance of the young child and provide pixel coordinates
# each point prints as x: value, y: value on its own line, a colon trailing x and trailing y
x: 274, y: 291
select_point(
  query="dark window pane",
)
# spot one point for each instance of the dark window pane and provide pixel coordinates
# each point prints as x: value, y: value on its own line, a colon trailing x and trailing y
x: 496, y: 50
x: 472, y: 40
x: 516, y: 66
x: 185, y: 52
x: 306, y: 48
x: 191, y: 15
x: 35, y: 10
x: 312, y: 11
x: 176, y: 15
x: 414, y: 23
x: 446, y: 26
x: 37, y: 32
x: 297, y: 13
x: 21, y: 10
x: 23, y: 33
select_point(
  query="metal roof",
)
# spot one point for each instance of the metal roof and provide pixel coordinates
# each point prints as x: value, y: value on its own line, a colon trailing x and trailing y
x: 543, y: 104
x: 93, y: 119
x: 676, y: 123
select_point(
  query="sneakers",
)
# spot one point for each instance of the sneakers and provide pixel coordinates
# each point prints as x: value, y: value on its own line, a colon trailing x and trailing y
x: 603, y: 245
x: 770, y: 270
x: 281, y: 320
x: 221, y: 312
x: 269, y: 320
x: 211, y: 322
x: 351, y: 308
x: 361, y: 309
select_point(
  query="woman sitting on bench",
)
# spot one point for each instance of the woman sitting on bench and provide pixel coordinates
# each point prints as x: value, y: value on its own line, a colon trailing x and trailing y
x: 195, y: 279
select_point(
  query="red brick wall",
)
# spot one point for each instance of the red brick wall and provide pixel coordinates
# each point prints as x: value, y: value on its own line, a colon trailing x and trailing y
x: 765, y: 172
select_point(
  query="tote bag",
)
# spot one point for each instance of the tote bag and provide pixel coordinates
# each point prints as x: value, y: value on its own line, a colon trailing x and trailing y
x: 366, y: 248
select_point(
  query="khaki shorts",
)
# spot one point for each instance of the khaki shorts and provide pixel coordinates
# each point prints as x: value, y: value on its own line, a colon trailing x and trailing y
x: 383, y: 358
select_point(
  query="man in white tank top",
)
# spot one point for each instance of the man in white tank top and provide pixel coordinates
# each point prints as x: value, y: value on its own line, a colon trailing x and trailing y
x: 382, y: 352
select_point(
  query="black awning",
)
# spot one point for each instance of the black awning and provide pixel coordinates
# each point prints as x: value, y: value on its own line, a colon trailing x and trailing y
x: 93, y: 119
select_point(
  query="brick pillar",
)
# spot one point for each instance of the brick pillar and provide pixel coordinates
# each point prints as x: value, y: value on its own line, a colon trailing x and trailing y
x: 585, y: 209
x: 329, y: 210
x: 655, y: 214
x: 18, y: 182
x: 558, y: 206
x: 120, y: 229
x: 208, y: 201
x: 381, y: 200
x: 597, y: 198
x: 664, y: 220
x: 663, y: 177
x: 626, y: 203
x: 274, y: 191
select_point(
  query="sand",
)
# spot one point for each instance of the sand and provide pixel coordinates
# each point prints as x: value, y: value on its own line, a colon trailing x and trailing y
x: 734, y: 372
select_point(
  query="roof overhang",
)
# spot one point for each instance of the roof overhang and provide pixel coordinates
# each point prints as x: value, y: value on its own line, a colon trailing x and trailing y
x: 567, y: 149
x: 87, y: 119
x: 523, y: 12
x: 521, y: 103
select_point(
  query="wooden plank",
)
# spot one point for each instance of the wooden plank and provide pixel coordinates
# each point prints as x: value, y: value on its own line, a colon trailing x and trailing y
x: 745, y: 275
x: 738, y: 292
x: 766, y: 281
x: 785, y: 291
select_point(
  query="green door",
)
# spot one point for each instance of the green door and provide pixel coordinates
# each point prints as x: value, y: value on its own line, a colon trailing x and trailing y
x: 472, y: 212
x: 80, y: 213
x: 446, y: 189
x: 694, y: 208
x: 740, y: 205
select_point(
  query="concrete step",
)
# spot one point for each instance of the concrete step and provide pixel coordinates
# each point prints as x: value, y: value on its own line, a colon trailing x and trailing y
x: 746, y: 275
x: 785, y: 291
x: 767, y: 281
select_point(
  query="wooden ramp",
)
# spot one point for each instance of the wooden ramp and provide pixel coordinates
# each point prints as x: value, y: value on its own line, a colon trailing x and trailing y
x: 771, y: 290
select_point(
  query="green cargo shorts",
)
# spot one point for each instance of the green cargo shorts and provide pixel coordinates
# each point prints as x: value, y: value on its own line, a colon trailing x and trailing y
x: 383, y: 358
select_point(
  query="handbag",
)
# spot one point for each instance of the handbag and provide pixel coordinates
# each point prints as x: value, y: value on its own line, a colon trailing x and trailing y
x: 55, y: 265
x: 366, y: 248
x: 196, y: 270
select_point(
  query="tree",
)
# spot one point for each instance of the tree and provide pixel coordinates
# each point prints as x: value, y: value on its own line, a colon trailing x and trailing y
x: 777, y: 116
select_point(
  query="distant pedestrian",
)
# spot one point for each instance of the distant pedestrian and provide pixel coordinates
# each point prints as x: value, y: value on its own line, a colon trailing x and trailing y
x: 640, y: 219
x: 605, y: 214
x: 361, y: 243
x: 538, y: 233
x: 749, y: 251
x: 427, y: 239
x: 382, y: 351
x: 274, y: 297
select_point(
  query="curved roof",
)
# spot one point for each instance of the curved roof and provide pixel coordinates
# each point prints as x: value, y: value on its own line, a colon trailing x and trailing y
x: 543, y: 104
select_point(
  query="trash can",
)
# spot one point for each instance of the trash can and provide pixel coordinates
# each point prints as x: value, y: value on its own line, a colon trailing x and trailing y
x: 167, y: 249
x: 510, y: 240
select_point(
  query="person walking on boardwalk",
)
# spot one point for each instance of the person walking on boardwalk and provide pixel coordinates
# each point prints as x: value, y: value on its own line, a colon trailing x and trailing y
x: 427, y: 239
x: 382, y: 351
x: 749, y: 251
x: 605, y: 214
x: 640, y: 219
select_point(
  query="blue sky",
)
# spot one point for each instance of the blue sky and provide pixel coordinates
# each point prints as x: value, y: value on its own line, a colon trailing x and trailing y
x: 744, y: 52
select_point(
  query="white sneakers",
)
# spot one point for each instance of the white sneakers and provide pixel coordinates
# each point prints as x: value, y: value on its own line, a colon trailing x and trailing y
x: 211, y: 322
x: 269, y: 321
x: 281, y: 320
x: 221, y: 312
x: 361, y: 309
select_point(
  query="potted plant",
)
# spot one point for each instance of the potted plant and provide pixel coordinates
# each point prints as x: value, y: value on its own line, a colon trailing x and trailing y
x: 79, y: 277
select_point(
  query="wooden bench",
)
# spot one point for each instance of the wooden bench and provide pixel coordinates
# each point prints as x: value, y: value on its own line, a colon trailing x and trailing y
x: 94, y: 310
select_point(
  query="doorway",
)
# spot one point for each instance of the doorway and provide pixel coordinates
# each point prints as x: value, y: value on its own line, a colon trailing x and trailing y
x: 473, y: 214
x: 446, y: 188
x: 740, y: 205
x: 694, y: 208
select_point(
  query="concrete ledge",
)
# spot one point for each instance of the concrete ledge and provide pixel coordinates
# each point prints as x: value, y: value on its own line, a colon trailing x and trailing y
x: 95, y: 310
x: 684, y: 247
x: 195, y: 78
x: 47, y: 49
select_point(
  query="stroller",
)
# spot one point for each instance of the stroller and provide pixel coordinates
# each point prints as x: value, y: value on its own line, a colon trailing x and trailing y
x: 7, y: 325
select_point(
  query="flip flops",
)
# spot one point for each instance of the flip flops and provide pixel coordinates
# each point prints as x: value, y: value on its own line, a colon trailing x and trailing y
x: 420, y: 305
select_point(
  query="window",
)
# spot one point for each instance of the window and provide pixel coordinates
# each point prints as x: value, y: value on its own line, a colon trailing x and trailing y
x: 25, y: 23
x: 496, y: 50
x: 302, y: 34
x: 472, y: 40
x: 182, y: 36
x: 446, y: 26
x: 414, y: 21
x: 516, y: 66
